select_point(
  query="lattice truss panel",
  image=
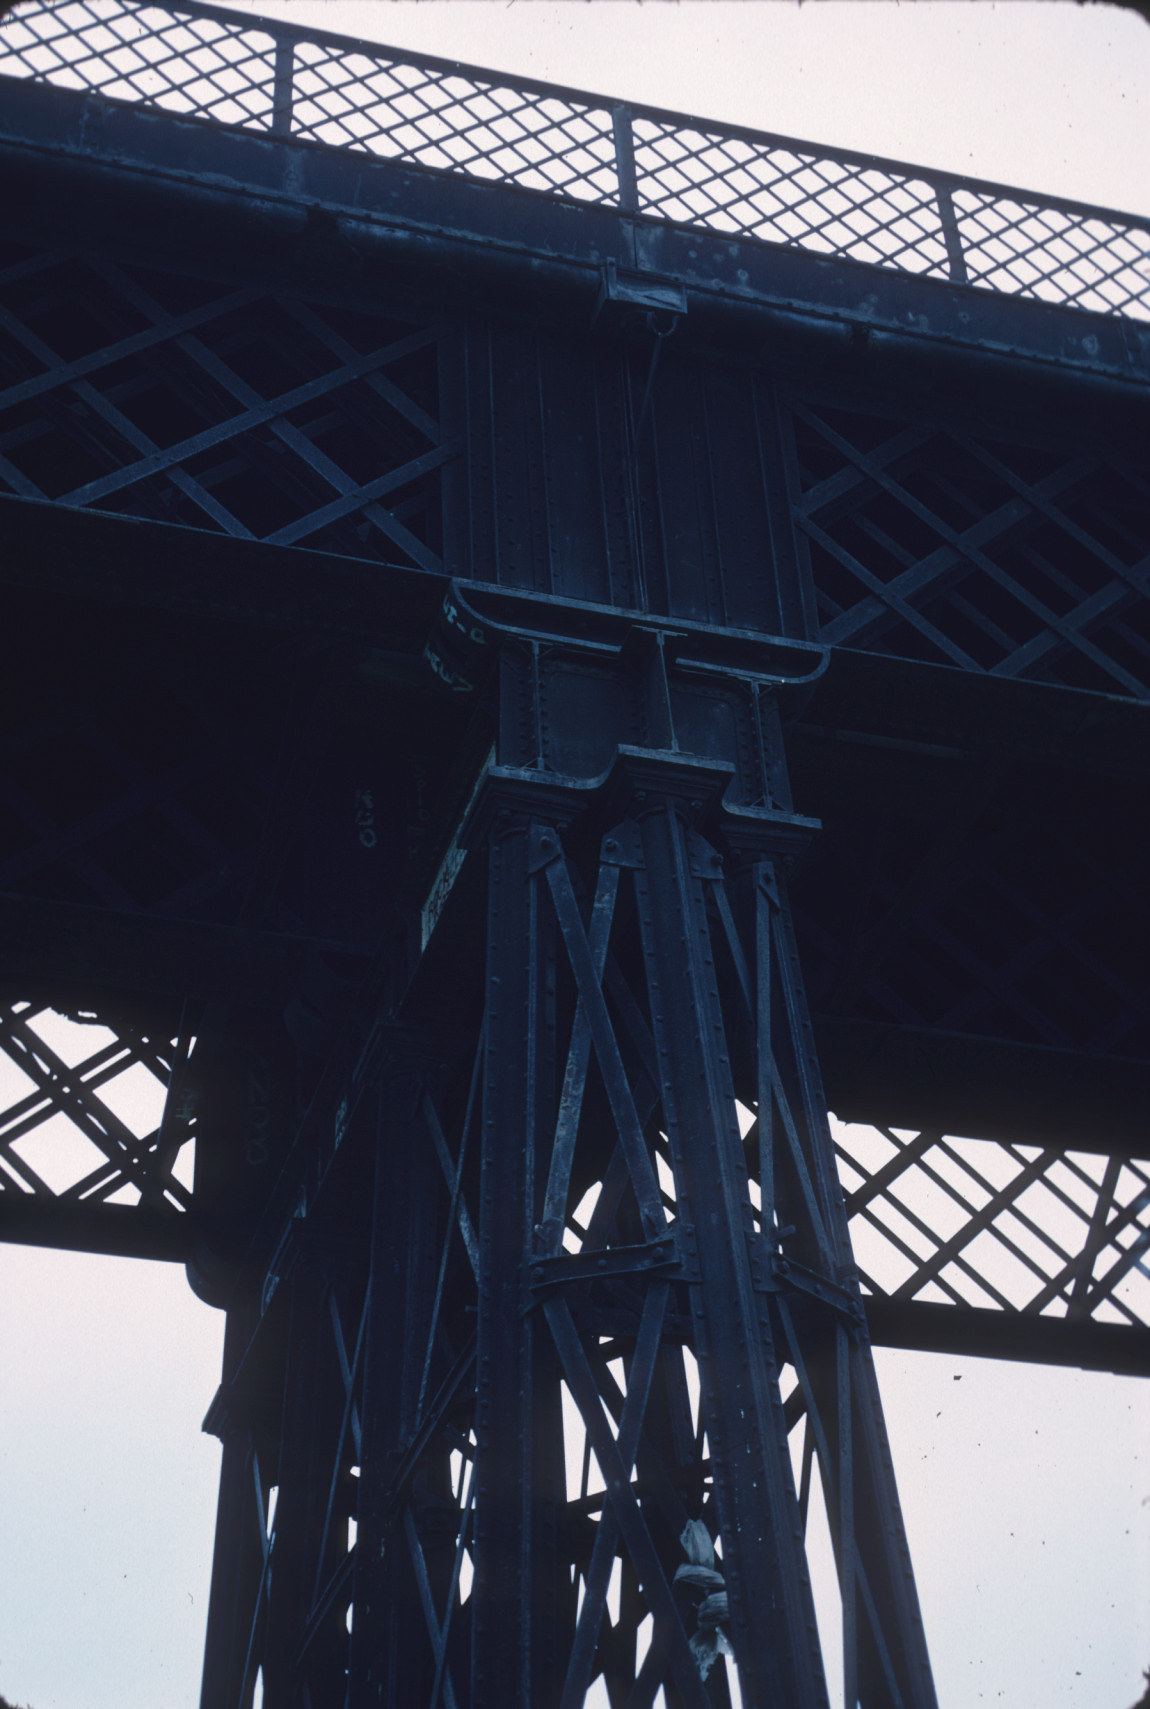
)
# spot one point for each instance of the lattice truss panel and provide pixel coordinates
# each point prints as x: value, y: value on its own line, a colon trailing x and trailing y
x: 248, y: 412
x: 86, y: 1118
x: 965, y: 550
x: 197, y: 60
x: 1013, y: 1228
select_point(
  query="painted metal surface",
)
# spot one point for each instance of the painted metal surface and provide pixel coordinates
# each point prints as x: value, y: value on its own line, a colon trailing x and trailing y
x: 501, y: 732
x: 313, y: 86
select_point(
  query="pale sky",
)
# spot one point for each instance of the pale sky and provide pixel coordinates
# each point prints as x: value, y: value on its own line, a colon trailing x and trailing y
x: 1026, y: 1490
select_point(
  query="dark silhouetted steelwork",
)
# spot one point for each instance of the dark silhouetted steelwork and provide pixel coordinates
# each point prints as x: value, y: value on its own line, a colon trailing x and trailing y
x: 515, y: 711
x: 206, y: 62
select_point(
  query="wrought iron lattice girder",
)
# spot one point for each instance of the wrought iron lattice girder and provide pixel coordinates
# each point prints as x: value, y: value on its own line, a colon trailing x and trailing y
x: 1006, y: 1239
x: 920, y: 537
x: 990, y: 556
x: 94, y: 1120
x: 242, y: 411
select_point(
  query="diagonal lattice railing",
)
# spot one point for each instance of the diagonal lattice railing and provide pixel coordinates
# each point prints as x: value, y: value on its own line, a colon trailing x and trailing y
x: 209, y: 63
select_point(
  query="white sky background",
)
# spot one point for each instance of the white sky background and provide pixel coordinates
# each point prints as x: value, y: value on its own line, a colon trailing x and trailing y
x: 1026, y: 1491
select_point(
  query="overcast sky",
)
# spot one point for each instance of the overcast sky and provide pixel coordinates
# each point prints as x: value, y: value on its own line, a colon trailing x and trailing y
x: 1027, y: 1491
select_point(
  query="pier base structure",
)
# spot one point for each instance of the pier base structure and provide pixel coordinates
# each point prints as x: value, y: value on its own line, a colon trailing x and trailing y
x: 607, y: 1329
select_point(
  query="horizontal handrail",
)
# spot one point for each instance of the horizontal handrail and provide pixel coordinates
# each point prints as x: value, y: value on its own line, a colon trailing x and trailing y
x: 206, y: 62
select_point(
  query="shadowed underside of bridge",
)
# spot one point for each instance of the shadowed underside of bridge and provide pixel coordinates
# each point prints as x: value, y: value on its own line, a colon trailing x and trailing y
x: 529, y: 680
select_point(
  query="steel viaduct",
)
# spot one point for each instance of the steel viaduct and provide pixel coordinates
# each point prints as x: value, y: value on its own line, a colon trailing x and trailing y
x: 547, y: 646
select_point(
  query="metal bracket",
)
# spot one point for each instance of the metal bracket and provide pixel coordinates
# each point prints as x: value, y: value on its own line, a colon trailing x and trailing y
x: 774, y: 1273
x: 622, y: 845
x: 544, y: 847
x: 706, y: 862
x: 626, y: 296
x: 663, y: 1257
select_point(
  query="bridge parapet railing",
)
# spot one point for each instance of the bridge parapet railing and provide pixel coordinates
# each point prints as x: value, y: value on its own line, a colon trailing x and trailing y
x: 207, y: 62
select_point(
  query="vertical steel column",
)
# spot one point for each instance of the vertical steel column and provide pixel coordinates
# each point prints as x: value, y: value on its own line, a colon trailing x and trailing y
x: 239, y: 1549
x: 519, y: 1589
x: 708, y: 973
x: 390, y: 1661
x: 818, y: 1304
x: 885, y: 1657
x: 310, y: 1415
x: 772, y: 1618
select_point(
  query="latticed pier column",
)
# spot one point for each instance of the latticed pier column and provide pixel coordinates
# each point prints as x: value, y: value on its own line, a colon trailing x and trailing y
x: 609, y: 1078
x: 639, y: 1333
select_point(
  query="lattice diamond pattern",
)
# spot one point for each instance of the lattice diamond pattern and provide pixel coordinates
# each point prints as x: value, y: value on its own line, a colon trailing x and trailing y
x: 1034, y: 251
x: 199, y: 65
x: 242, y: 411
x: 199, y: 61
x: 454, y: 123
x: 1009, y: 1227
x: 989, y: 556
x: 60, y: 1136
x: 757, y: 189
